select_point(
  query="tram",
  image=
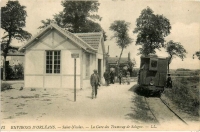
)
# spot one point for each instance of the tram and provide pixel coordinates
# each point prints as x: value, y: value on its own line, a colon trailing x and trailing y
x: 152, y: 74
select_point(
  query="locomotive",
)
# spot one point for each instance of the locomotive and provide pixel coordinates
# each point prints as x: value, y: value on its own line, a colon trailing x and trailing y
x: 152, y: 74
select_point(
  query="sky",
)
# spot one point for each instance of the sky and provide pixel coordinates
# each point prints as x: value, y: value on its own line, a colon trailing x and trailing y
x: 183, y: 16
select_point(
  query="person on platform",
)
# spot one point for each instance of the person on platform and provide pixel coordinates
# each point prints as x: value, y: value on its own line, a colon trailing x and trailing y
x: 120, y: 77
x: 112, y: 77
x: 106, y: 77
x: 95, y: 82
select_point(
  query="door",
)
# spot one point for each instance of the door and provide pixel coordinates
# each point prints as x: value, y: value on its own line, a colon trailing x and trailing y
x: 99, y: 68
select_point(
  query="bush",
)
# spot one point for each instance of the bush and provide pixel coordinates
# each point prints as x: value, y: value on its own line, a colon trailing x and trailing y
x: 9, y: 72
x: 194, y: 79
x: 19, y: 71
x: 184, y: 97
x: 5, y: 86
x: 16, y: 72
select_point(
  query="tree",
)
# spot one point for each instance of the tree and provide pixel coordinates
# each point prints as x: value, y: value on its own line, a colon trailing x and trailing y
x: 175, y: 49
x: 77, y: 17
x: 13, y: 19
x: 120, y: 29
x: 151, y: 30
x: 197, y: 54
x: 131, y: 65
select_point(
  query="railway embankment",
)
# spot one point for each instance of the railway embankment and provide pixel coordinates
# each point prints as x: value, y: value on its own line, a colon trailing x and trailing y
x: 183, y: 98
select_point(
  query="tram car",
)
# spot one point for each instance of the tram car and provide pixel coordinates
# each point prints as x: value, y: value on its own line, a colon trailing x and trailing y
x: 152, y: 74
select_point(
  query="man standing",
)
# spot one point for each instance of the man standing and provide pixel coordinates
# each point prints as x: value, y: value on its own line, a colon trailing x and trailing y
x: 120, y: 76
x: 106, y: 77
x: 112, y: 77
x: 94, y: 81
x: 169, y: 81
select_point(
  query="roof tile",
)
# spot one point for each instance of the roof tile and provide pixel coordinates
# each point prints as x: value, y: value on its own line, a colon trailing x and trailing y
x: 93, y: 39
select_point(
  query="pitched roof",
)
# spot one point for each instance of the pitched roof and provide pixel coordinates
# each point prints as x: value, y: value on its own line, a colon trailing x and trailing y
x: 83, y: 42
x: 115, y: 59
x: 93, y: 39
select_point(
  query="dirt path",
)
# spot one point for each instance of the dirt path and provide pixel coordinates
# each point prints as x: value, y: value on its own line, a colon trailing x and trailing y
x: 56, y: 106
x: 116, y: 107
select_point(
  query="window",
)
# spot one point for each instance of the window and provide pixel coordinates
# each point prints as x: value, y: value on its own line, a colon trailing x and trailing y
x: 52, y: 61
x: 153, y: 63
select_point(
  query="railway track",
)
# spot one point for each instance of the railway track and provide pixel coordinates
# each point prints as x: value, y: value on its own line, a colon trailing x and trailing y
x: 162, y: 112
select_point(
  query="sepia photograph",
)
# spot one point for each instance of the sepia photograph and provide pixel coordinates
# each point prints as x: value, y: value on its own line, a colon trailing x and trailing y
x: 100, y: 65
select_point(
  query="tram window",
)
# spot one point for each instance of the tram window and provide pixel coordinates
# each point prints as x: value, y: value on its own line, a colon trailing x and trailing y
x: 153, y: 63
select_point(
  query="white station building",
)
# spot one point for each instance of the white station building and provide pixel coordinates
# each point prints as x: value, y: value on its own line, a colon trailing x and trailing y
x: 49, y: 63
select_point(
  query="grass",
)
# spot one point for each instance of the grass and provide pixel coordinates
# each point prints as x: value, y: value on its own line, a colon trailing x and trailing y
x: 184, y: 96
x: 141, y: 110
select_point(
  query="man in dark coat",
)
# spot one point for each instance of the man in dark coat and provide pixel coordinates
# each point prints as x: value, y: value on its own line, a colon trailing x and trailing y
x: 112, y: 77
x: 120, y: 77
x: 95, y: 82
x: 106, y: 77
x: 169, y: 81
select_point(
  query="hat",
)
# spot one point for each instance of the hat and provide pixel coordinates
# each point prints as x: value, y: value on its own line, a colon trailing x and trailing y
x: 95, y: 70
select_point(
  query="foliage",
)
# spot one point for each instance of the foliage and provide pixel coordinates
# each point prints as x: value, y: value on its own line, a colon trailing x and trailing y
x: 77, y: 17
x: 194, y: 79
x: 182, y: 69
x: 120, y: 29
x: 16, y: 72
x: 13, y: 19
x: 76, y: 13
x: 5, y: 86
x: 131, y: 65
x: 19, y: 71
x: 186, y: 98
x: 9, y: 72
x: 151, y: 30
x: 175, y: 49
x: 198, y: 54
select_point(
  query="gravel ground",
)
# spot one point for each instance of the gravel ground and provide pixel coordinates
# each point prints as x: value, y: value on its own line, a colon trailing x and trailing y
x: 56, y: 106
x: 116, y: 107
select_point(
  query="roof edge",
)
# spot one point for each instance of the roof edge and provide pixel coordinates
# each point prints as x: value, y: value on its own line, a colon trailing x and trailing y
x: 68, y: 34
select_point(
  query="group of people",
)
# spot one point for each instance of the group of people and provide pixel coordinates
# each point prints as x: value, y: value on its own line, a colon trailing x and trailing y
x: 124, y: 77
x: 109, y: 78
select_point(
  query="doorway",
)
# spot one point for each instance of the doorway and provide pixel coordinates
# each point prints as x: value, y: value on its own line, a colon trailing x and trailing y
x: 99, y: 68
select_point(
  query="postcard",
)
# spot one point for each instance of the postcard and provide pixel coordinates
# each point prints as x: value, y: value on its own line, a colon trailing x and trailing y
x: 107, y: 65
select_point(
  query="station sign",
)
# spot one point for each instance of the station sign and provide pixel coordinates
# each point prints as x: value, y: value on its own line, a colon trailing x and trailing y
x: 75, y: 56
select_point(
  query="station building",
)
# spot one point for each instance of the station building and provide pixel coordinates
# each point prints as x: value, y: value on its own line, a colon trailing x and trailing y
x: 49, y: 63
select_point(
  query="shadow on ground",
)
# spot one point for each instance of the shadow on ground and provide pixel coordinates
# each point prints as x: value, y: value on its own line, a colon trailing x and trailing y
x: 141, y: 92
x: 140, y: 110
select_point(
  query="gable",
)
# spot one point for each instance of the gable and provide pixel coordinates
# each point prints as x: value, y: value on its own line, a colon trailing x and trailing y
x: 53, y: 40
